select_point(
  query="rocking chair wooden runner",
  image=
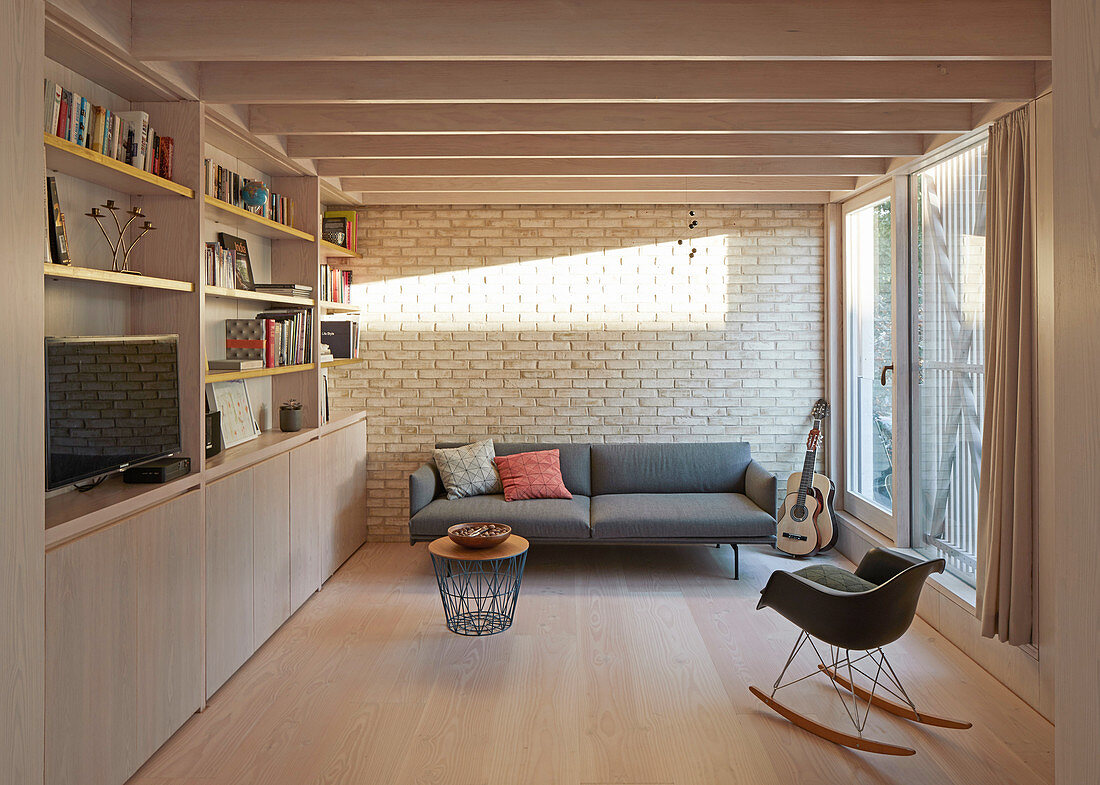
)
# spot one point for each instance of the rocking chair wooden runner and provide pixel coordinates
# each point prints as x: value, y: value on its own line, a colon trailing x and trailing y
x: 853, y: 612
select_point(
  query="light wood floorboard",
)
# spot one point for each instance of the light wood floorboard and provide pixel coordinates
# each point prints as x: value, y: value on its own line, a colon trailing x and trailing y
x: 626, y: 665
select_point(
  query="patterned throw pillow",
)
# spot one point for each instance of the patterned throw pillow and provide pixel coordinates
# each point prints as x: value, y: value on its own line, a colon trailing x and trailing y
x: 468, y: 470
x: 532, y: 475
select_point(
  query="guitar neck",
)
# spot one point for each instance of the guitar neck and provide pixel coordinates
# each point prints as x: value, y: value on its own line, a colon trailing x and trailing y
x: 807, y: 480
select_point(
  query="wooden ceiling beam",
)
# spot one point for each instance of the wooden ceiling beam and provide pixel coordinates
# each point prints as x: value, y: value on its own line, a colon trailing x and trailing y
x: 531, y: 82
x: 617, y: 145
x: 595, y: 197
x: 595, y: 167
x: 588, y: 29
x: 719, y: 183
x: 609, y: 117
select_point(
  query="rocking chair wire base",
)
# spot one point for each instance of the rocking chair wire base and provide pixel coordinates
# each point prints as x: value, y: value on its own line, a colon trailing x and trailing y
x: 883, y: 676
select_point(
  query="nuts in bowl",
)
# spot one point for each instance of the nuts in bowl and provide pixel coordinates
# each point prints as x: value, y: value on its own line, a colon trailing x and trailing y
x: 479, y: 535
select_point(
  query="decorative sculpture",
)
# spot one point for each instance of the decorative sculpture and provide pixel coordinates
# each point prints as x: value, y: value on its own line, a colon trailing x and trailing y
x: 120, y: 243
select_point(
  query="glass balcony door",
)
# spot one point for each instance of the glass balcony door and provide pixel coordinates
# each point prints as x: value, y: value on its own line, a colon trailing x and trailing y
x: 870, y: 400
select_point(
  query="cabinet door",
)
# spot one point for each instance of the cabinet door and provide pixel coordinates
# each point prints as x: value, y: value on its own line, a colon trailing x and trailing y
x: 123, y: 642
x: 353, y: 522
x: 91, y: 693
x: 229, y: 594
x: 270, y: 546
x: 331, y: 485
x: 305, y: 520
x: 168, y: 544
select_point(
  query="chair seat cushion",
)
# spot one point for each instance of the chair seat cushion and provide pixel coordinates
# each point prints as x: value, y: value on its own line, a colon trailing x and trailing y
x: 832, y: 577
x: 559, y: 519
x: 674, y: 515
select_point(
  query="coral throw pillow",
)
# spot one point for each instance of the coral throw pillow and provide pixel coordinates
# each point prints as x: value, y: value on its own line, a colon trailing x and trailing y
x: 532, y: 475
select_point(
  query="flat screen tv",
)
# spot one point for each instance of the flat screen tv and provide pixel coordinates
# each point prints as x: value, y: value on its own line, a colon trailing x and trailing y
x: 110, y: 402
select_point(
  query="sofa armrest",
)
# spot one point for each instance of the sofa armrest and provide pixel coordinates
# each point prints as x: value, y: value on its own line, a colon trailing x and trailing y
x: 424, y: 485
x: 760, y: 486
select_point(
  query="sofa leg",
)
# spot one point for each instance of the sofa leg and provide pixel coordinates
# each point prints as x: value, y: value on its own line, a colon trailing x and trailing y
x: 736, y: 562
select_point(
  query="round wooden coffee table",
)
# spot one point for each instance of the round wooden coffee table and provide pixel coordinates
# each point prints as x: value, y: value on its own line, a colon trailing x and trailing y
x: 479, y: 588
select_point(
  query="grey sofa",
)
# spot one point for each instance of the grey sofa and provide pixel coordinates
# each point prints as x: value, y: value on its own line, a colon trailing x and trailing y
x: 711, y: 493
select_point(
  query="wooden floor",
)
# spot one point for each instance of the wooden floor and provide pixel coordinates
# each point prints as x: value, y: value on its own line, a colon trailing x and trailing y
x: 624, y: 665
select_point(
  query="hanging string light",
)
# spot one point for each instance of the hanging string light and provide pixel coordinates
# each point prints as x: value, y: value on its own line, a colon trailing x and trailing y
x: 692, y: 225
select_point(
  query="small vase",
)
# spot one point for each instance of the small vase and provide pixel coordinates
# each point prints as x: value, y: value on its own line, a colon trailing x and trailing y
x: 290, y: 420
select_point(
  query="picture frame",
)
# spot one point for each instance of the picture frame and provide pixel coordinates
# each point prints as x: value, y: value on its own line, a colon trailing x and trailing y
x: 242, y: 272
x: 238, y: 423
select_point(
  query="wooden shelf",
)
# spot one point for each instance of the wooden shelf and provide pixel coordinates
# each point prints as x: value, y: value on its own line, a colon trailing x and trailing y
x: 341, y: 361
x: 72, y: 159
x: 331, y: 250
x: 267, y: 445
x: 261, y: 297
x: 341, y: 421
x: 106, y: 276
x: 250, y: 222
x: 71, y: 514
x: 227, y: 376
x: 338, y: 307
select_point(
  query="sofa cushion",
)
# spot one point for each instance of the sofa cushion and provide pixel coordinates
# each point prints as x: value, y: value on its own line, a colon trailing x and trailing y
x: 673, y: 515
x: 531, y: 475
x: 468, y: 470
x: 576, y: 467
x: 699, y: 467
x: 560, y: 519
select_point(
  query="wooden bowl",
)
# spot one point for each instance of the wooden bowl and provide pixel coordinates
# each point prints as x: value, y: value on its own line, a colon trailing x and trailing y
x: 481, y: 541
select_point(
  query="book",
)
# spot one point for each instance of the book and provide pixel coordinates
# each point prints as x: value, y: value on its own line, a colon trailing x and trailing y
x: 99, y: 119
x: 165, y: 148
x: 55, y: 222
x: 243, y: 267
x: 342, y: 337
x: 244, y: 339
x: 140, y: 123
x: 235, y: 365
x: 63, y: 116
x: 52, y: 105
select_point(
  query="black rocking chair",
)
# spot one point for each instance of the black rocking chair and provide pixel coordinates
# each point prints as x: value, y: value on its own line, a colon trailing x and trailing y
x: 853, y: 612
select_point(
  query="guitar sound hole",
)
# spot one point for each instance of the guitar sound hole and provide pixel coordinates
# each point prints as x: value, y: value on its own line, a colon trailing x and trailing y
x: 798, y: 512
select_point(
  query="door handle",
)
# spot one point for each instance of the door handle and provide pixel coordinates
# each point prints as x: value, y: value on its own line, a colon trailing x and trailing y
x: 885, y: 368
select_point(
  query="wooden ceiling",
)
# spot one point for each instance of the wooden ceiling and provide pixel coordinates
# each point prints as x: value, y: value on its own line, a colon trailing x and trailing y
x: 448, y: 101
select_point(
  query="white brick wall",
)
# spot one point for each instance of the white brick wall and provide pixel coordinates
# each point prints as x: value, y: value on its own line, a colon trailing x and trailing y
x: 583, y: 323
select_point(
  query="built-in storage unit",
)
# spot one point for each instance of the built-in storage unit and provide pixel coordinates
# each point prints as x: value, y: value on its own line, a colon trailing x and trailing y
x: 156, y: 594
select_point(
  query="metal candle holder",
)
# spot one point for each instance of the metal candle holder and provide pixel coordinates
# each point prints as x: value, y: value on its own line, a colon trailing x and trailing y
x: 120, y: 244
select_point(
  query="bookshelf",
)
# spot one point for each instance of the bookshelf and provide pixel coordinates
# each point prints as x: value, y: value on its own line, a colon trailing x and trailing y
x: 74, y: 273
x: 334, y: 251
x: 337, y: 362
x: 171, y: 535
x: 71, y: 159
x: 223, y: 212
x: 260, y: 297
x: 257, y: 373
x: 339, y: 307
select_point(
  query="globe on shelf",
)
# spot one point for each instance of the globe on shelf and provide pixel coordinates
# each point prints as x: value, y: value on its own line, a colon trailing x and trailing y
x: 254, y: 193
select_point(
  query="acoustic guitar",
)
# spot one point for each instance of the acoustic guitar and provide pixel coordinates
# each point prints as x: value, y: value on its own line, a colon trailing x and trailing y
x: 806, y: 524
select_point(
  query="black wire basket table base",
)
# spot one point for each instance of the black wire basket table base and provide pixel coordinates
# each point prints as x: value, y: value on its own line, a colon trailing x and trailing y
x: 479, y: 592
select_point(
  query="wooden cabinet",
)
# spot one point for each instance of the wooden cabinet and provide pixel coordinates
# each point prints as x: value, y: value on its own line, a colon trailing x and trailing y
x: 270, y: 546
x: 123, y: 642
x: 305, y: 533
x: 229, y: 586
x: 343, y: 487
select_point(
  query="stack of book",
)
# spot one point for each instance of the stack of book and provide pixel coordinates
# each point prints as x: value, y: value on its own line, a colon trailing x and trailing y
x: 225, y: 184
x: 221, y: 266
x: 275, y: 338
x: 335, y: 284
x: 339, y: 227
x: 289, y: 289
x: 122, y: 136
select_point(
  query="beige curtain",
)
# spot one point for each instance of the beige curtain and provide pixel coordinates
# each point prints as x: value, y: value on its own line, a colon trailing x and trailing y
x: 1005, y: 503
